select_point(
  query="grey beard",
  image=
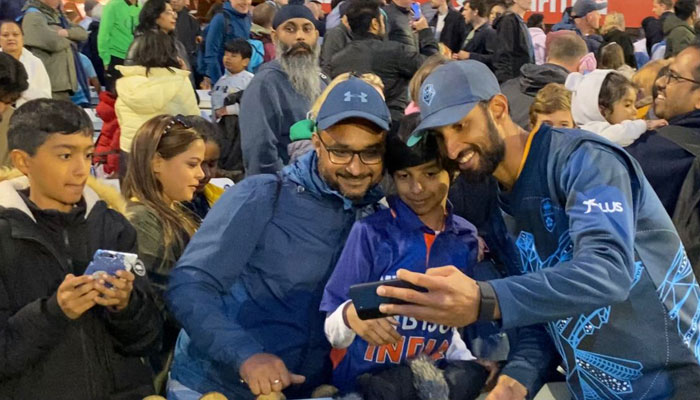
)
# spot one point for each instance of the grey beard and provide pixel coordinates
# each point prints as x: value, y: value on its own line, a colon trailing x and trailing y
x: 303, y: 70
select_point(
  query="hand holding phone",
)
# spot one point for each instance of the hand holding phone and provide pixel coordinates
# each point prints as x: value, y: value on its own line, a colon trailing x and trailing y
x: 366, y: 300
x: 376, y: 332
x: 109, y: 262
x: 415, y: 9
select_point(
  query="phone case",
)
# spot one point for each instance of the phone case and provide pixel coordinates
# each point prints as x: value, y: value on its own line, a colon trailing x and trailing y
x: 366, y: 300
x: 415, y: 7
x: 109, y: 262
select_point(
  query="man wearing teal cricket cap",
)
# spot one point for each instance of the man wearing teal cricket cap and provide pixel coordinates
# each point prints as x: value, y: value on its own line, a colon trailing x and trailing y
x: 602, y: 268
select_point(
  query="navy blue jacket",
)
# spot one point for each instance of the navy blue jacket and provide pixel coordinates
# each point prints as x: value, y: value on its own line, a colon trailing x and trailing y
x: 603, y: 268
x: 265, y: 130
x: 664, y: 163
x: 217, y: 34
x: 252, y: 278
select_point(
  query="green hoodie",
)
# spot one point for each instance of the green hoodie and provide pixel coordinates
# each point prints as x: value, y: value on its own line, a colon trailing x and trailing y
x: 119, y: 18
x: 678, y: 34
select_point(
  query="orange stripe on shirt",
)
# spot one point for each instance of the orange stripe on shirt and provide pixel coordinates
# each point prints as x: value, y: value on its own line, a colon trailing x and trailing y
x: 429, y: 240
x: 528, y: 145
x: 337, y: 356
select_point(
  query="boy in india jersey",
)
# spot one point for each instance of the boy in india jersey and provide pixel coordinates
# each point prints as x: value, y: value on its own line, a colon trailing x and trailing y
x: 417, y: 232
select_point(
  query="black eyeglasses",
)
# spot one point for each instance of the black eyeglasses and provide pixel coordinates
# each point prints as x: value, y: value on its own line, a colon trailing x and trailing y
x: 672, y: 76
x: 345, y: 156
x: 178, y: 119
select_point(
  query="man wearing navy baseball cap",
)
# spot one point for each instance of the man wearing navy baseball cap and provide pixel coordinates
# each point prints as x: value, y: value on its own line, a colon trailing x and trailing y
x: 586, y: 16
x: 247, y: 290
x: 602, y: 268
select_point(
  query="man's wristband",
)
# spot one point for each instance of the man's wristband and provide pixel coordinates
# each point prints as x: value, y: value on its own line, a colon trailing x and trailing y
x: 487, y: 305
x: 345, y: 313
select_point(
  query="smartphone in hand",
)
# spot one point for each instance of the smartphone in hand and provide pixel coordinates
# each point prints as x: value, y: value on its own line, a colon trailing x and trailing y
x: 366, y: 300
x: 109, y: 262
x: 415, y: 8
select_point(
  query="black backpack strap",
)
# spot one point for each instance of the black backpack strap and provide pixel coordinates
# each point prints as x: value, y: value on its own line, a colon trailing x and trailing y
x: 227, y: 24
x: 686, y: 138
x: 686, y: 216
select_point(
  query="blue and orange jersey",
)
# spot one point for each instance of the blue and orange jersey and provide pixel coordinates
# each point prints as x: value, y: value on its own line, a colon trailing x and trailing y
x: 378, y: 246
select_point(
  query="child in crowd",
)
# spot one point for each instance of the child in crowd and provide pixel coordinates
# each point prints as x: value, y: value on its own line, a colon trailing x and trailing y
x: 417, y: 232
x: 237, y: 55
x: 261, y: 30
x: 207, y: 194
x: 164, y: 171
x: 552, y: 106
x: 66, y: 335
x: 603, y: 102
x: 225, y: 102
x: 613, y: 57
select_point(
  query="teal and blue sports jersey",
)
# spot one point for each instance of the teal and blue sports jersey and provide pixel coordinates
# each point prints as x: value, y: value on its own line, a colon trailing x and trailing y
x: 377, y: 247
x: 603, y: 268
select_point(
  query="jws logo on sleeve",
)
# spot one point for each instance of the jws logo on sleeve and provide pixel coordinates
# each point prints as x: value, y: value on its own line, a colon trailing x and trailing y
x: 606, y: 207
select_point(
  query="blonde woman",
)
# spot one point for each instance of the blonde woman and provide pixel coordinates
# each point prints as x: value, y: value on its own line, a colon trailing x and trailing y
x: 614, y: 32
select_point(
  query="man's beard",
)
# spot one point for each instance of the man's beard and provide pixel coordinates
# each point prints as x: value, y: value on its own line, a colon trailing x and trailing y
x: 300, y: 62
x: 332, y: 177
x: 489, y: 158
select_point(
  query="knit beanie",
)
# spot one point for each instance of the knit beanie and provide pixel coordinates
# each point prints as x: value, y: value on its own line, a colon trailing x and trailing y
x: 295, y: 9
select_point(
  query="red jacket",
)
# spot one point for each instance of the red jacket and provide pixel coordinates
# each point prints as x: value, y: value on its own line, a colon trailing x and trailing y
x: 107, y: 147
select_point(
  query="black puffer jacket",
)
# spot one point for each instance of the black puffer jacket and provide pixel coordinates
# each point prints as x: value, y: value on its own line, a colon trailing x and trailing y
x: 45, y: 355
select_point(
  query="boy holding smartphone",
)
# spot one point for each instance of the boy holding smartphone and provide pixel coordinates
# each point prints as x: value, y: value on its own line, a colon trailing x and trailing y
x: 417, y: 232
x: 64, y: 334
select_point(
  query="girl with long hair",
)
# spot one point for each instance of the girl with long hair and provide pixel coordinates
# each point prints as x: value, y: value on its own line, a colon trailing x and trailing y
x: 156, y: 85
x: 164, y: 171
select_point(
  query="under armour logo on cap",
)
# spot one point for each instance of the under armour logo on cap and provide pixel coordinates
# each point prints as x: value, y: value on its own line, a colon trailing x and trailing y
x: 349, y: 96
x: 428, y: 94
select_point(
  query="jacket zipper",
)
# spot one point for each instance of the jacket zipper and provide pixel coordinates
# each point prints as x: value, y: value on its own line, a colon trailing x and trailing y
x: 69, y: 258
x: 86, y: 359
x: 86, y: 363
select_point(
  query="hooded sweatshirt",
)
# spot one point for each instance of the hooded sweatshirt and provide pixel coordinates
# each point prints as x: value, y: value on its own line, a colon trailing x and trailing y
x: 539, y: 39
x: 143, y: 96
x: 119, y: 18
x: 265, y: 131
x: 586, y: 110
x: 678, y: 35
x: 521, y: 91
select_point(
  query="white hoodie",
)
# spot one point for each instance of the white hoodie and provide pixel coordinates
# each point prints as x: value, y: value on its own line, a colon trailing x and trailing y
x: 586, y: 111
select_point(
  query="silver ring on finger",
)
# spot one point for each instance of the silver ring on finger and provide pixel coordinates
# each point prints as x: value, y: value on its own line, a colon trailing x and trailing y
x: 276, y: 381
